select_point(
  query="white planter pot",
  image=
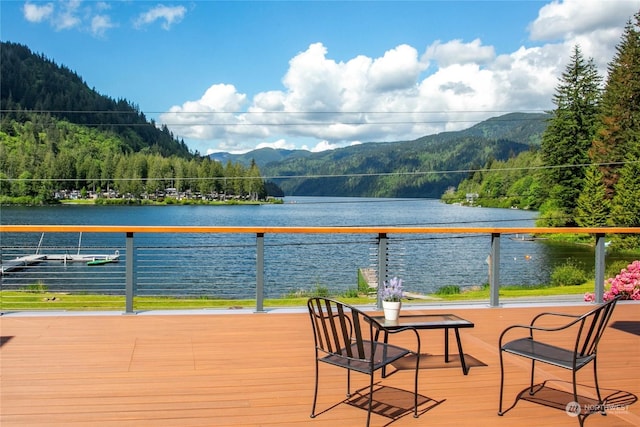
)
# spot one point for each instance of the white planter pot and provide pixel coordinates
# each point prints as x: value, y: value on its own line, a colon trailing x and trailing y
x: 391, y: 309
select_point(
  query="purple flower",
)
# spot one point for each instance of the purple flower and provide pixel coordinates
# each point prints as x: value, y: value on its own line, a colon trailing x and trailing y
x: 392, y: 290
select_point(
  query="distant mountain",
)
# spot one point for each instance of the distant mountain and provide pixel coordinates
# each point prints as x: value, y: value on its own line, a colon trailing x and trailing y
x: 525, y: 128
x: 32, y: 83
x: 261, y: 156
x: 424, y: 167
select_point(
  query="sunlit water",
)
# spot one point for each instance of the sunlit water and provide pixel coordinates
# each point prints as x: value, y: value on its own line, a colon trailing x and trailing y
x: 224, y: 264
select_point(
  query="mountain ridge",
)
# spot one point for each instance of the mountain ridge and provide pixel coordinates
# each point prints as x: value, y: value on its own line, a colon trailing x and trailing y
x: 424, y: 167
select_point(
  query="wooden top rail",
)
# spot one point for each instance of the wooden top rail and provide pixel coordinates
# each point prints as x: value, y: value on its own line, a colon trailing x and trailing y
x: 312, y: 230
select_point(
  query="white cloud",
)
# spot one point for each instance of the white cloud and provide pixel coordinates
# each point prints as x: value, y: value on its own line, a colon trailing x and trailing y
x: 102, y: 5
x: 62, y: 17
x: 367, y: 99
x: 67, y: 15
x: 594, y: 25
x: 311, y: 81
x: 36, y: 13
x: 323, y: 146
x: 397, y: 69
x: 170, y: 16
x: 88, y: 17
x: 458, y: 52
x: 337, y: 103
x: 562, y: 20
x: 100, y: 24
x: 214, y: 115
x: 326, y: 145
x: 281, y: 143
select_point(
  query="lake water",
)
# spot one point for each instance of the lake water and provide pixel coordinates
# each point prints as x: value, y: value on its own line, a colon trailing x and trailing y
x: 223, y: 265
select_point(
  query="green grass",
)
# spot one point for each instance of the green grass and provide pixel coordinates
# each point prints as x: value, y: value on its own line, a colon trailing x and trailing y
x: 17, y: 300
x: 30, y: 300
x: 519, y: 292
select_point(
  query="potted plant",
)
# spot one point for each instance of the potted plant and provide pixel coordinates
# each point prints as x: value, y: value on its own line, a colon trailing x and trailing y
x: 391, y: 295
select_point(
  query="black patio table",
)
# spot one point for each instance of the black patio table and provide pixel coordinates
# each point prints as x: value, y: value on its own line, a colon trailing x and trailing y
x: 432, y: 321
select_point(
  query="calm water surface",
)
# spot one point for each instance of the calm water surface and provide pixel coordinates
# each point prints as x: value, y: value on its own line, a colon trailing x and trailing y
x: 224, y: 264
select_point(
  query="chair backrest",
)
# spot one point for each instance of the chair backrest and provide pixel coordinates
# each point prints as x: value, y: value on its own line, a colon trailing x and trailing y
x: 592, y: 326
x: 340, y: 329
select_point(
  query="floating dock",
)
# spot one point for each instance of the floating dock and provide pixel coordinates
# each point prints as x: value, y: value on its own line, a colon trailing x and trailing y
x: 25, y: 261
x: 21, y: 262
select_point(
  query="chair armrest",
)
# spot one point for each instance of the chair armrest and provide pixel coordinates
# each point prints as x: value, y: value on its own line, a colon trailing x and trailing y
x: 549, y: 313
x: 532, y: 328
x: 395, y: 331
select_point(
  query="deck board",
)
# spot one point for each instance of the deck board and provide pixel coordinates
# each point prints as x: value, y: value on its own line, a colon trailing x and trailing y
x: 230, y: 369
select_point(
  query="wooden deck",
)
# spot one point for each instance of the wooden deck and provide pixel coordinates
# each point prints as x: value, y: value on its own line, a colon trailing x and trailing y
x: 234, y: 368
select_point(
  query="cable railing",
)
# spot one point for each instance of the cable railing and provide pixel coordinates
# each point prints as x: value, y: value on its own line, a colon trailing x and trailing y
x: 129, y: 266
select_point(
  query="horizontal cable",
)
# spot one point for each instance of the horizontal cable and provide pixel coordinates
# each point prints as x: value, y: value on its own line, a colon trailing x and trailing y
x: 275, y: 112
x: 349, y: 175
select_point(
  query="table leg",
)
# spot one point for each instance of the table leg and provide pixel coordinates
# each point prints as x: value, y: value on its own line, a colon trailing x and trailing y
x: 465, y: 370
x: 446, y: 345
x: 384, y: 368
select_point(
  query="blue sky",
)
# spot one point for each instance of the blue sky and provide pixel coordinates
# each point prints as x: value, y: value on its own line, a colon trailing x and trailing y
x: 238, y: 75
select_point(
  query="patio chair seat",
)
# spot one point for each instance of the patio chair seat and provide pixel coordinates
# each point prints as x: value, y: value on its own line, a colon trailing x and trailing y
x: 383, y: 355
x: 546, y: 353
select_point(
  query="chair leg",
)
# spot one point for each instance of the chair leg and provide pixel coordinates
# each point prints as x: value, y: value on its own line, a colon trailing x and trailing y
x: 348, y: 382
x: 501, y: 384
x: 595, y: 378
x: 575, y: 386
x: 315, y: 393
x: 415, y: 391
x: 370, y: 399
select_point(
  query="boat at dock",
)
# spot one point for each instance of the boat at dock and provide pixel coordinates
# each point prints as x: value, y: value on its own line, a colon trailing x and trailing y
x: 28, y: 260
x: 83, y: 257
x: 526, y: 238
x: 108, y: 260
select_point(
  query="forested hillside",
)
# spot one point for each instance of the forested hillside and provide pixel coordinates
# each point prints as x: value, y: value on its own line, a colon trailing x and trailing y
x: 58, y: 136
x: 33, y: 83
x: 425, y: 167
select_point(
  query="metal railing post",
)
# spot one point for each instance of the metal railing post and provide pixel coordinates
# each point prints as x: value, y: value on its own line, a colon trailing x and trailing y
x: 129, y: 266
x: 260, y: 272
x: 382, y: 265
x: 494, y: 271
x: 600, y: 263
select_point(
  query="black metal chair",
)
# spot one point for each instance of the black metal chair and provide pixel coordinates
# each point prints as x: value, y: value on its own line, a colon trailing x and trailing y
x: 348, y: 338
x: 585, y: 332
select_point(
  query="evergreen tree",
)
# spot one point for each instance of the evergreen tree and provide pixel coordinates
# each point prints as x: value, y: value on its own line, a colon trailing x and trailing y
x: 593, y: 207
x: 567, y: 139
x: 626, y: 201
x: 619, y: 132
x: 203, y: 172
x: 254, y: 185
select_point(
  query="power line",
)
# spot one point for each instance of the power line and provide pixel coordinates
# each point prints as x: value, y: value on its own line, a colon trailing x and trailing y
x: 363, y: 121
x: 318, y: 176
x: 277, y: 112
